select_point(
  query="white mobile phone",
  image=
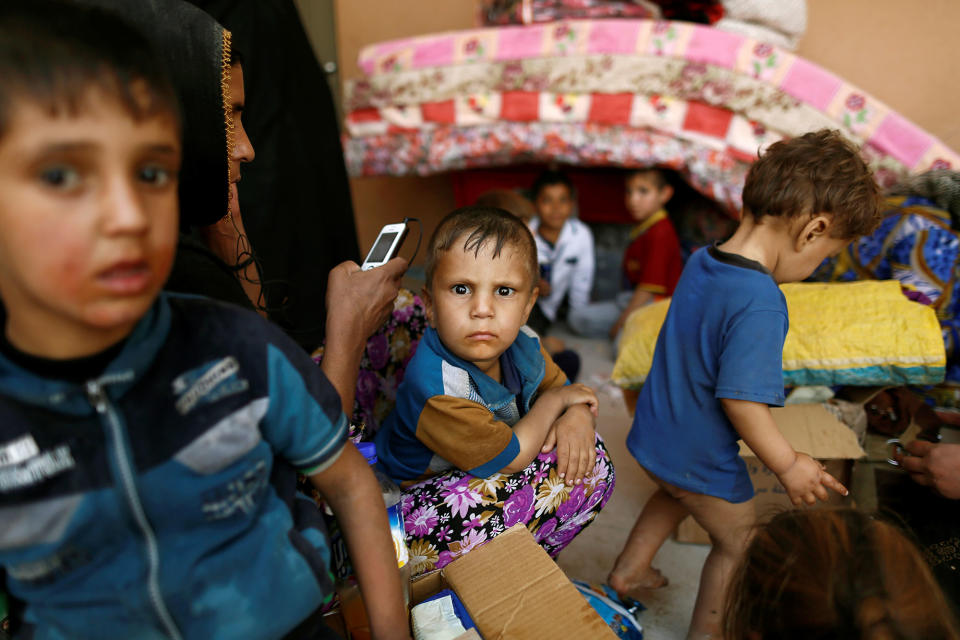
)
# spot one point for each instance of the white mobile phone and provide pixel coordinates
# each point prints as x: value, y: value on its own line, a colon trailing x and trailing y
x: 387, y: 245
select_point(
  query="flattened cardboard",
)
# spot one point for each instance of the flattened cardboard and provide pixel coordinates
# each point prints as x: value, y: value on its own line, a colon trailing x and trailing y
x: 808, y: 428
x: 513, y: 590
x: 815, y: 431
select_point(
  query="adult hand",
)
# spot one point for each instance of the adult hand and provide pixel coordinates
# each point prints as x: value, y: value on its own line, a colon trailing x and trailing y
x: 934, y: 465
x: 359, y: 302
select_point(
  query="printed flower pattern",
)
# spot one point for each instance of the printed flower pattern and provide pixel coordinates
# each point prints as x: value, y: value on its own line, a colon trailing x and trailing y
x: 422, y: 521
x: 564, y: 38
x: 454, y: 513
x: 581, y: 74
x: 423, y: 556
x: 460, y: 498
x: 564, y: 102
x: 659, y: 104
x: 763, y: 60
x: 488, y: 487
x: 473, y: 49
x: 663, y: 36
x: 516, y: 12
x: 378, y: 350
x: 477, y: 103
x: 552, y: 492
x: 751, y: 87
x: 855, y: 111
x: 518, y: 507
x: 390, y: 64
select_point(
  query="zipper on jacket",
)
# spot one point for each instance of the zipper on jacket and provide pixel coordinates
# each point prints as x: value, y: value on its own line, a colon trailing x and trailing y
x: 98, y: 398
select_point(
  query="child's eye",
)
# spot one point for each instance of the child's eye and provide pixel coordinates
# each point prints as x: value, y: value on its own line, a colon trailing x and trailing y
x: 460, y: 289
x: 505, y: 292
x: 154, y: 175
x: 61, y: 177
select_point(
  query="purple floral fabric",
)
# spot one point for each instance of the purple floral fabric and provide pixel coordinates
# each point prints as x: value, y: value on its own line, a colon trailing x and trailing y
x: 385, y: 359
x: 451, y: 514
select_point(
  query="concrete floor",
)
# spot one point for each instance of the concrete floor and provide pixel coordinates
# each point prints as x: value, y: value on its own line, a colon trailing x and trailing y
x: 591, y: 555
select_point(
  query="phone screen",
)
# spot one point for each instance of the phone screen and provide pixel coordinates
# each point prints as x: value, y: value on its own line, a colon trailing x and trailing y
x: 379, y: 251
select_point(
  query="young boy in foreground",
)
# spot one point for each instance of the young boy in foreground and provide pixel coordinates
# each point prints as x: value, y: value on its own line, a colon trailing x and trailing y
x: 147, y: 442
x: 718, y: 363
x: 467, y: 397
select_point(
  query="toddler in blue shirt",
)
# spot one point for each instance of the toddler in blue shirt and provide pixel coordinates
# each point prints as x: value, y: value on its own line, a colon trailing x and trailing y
x: 717, y: 366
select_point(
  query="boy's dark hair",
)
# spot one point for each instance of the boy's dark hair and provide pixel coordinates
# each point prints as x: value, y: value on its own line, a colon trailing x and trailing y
x: 837, y: 573
x: 484, y: 224
x: 53, y: 52
x: 659, y: 178
x: 549, y: 178
x: 818, y: 172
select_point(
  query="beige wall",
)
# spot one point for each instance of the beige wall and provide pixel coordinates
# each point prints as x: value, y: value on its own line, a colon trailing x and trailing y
x: 379, y: 201
x: 902, y: 53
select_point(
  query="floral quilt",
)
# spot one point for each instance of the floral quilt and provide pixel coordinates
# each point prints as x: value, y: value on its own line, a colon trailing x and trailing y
x: 589, y: 90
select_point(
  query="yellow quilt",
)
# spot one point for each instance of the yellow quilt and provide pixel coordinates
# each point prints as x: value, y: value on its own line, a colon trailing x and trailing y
x: 858, y: 333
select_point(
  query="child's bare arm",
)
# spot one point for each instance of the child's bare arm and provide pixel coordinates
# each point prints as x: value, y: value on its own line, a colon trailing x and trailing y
x: 531, y: 430
x: 803, y: 477
x: 573, y: 436
x: 352, y: 491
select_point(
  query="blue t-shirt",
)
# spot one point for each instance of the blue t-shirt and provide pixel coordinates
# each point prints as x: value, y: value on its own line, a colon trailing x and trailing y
x: 722, y: 338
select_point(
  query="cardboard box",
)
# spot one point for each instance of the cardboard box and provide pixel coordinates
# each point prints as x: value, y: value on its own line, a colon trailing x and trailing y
x: 809, y: 428
x: 512, y: 591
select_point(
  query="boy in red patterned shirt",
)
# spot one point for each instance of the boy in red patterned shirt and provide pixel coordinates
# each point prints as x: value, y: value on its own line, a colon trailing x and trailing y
x: 651, y: 264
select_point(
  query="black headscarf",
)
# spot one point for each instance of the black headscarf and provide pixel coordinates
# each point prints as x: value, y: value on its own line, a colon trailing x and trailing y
x: 295, y: 195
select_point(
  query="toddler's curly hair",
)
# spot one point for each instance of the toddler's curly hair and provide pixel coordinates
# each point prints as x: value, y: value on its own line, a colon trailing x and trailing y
x: 818, y: 172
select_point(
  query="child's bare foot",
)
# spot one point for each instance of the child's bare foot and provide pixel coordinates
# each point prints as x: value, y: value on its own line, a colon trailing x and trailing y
x: 635, y: 586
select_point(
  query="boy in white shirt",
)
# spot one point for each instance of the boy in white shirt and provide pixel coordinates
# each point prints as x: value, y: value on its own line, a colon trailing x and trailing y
x: 564, y: 250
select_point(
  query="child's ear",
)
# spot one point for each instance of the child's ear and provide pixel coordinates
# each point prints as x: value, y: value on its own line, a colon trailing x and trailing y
x: 427, y: 305
x: 666, y: 192
x: 815, y: 228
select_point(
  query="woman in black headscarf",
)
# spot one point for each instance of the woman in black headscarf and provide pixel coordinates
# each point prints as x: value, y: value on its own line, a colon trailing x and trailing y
x: 297, y: 198
x: 214, y: 258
